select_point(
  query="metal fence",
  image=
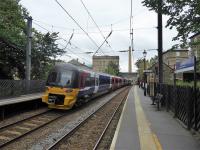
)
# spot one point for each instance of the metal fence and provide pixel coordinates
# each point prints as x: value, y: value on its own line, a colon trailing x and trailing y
x: 12, y: 88
x: 181, y: 101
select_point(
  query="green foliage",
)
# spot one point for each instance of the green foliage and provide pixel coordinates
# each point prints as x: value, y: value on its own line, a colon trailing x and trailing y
x: 13, y: 30
x: 185, y: 84
x: 153, y: 60
x: 112, y: 69
x: 12, y: 24
x: 184, y: 15
x: 44, y: 52
x: 140, y: 65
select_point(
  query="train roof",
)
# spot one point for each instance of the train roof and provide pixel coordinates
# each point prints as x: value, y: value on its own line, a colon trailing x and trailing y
x: 72, y: 67
x: 65, y: 66
x: 79, y: 68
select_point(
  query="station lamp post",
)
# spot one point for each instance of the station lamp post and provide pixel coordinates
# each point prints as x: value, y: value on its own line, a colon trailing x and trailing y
x: 144, y: 75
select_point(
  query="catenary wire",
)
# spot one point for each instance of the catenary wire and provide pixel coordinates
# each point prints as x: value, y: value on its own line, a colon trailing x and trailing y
x: 95, y: 24
x: 93, y: 41
x: 62, y: 44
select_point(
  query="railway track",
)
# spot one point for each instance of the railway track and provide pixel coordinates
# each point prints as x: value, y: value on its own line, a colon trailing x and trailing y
x: 101, y: 138
x: 14, y: 131
x: 89, y: 132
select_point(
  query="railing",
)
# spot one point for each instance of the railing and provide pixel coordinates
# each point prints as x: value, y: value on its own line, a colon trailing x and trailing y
x: 180, y: 100
x: 12, y: 88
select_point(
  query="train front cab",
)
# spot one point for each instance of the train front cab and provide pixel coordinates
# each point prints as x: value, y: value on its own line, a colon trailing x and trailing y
x: 61, y: 89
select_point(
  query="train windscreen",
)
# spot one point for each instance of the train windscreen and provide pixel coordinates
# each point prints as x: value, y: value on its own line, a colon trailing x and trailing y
x: 61, y: 79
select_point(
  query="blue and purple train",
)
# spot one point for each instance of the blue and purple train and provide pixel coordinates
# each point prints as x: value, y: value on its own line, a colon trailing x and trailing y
x: 68, y: 85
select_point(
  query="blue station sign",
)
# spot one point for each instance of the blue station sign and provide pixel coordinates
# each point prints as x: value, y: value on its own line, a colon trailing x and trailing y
x: 186, y: 65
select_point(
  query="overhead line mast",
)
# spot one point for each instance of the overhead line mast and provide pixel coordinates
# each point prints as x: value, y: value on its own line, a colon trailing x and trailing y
x: 160, y: 41
x: 131, y: 38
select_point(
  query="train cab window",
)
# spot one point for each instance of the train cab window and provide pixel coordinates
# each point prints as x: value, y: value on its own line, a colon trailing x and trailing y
x: 52, y: 78
x: 61, y: 79
x: 65, y: 79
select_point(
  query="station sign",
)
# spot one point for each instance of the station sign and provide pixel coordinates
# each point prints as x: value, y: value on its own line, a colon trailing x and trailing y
x: 186, y: 65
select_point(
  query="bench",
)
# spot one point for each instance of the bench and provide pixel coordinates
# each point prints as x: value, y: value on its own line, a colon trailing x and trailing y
x: 158, y: 99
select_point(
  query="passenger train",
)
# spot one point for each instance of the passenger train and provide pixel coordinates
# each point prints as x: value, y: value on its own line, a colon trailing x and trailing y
x: 68, y: 85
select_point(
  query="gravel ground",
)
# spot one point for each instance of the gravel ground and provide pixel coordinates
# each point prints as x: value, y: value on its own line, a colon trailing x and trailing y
x: 22, y: 116
x: 87, y: 135
x: 109, y: 134
x: 47, y: 135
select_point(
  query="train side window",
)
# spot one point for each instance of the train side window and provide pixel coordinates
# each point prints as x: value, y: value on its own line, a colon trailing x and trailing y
x: 107, y: 80
x: 97, y: 81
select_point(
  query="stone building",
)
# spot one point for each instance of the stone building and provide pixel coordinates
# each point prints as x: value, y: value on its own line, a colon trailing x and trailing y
x: 170, y: 57
x: 133, y: 76
x: 168, y: 72
x: 195, y: 44
x: 100, y: 63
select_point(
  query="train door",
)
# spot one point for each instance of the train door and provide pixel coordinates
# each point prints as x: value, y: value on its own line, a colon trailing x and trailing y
x: 110, y: 83
x: 96, y: 83
x: 81, y: 80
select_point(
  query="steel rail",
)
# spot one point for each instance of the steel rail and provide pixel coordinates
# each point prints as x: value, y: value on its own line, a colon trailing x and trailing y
x: 108, y: 124
x: 28, y: 132
x: 8, y: 125
x: 73, y: 130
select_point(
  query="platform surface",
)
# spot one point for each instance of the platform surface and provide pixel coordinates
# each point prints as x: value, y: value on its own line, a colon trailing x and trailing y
x: 20, y: 99
x: 142, y: 127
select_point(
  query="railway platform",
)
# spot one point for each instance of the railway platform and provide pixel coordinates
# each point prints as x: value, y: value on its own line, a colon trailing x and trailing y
x: 15, y: 100
x: 20, y: 99
x: 143, y: 127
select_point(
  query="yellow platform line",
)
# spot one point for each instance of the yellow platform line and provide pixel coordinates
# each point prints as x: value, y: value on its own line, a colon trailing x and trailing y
x: 148, y: 140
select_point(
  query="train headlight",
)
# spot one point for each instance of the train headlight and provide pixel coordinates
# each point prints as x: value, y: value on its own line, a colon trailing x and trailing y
x: 68, y: 90
x: 47, y: 88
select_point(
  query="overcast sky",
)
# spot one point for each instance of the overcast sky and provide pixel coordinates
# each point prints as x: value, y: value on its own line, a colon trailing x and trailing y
x: 49, y: 15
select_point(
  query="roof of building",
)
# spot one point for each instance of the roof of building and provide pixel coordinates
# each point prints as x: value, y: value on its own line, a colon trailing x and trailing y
x: 105, y: 57
x: 77, y: 63
x: 157, y: 64
x: 175, y: 50
x: 196, y: 34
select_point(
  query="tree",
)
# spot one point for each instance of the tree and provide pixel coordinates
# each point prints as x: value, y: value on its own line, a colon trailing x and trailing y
x: 112, y: 69
x: 13, y: 32
x: 184, y: 15
x: 153, y: 60
x: 140, y: 65
x: 12, y: 23
x: 44, y: 52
